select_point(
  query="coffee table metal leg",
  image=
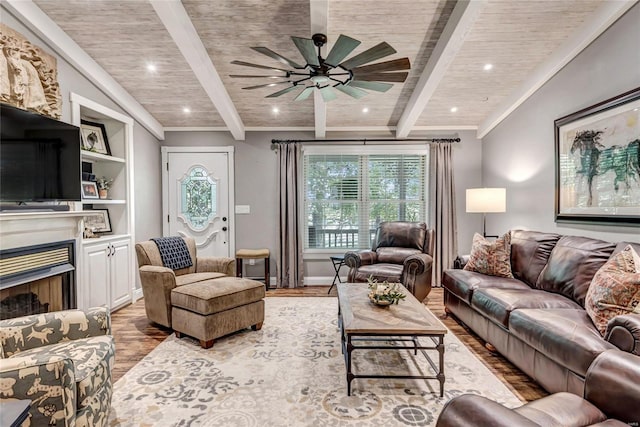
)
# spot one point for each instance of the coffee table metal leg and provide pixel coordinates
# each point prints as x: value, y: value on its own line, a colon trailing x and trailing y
x: 349, y: 373
x: 440, y: 348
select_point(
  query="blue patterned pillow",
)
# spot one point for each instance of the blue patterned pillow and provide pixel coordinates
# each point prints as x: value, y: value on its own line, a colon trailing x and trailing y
x: 174, y: 252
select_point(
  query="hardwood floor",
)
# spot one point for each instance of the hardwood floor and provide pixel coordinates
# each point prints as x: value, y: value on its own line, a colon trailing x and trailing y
x: 135, y: 337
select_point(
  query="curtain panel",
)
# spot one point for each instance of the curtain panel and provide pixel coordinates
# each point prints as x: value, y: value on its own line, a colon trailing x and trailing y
x: 289, y: 257
x: 444, y: 211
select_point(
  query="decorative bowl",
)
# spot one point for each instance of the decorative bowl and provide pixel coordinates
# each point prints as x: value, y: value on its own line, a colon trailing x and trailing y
x: 384, y: 293
x: 382, y: 303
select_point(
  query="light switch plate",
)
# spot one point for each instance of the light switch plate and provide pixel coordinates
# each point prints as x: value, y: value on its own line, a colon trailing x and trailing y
x: 243, y: 209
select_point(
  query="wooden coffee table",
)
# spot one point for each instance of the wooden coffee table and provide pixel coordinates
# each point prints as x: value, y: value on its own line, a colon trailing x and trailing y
x: 360, y: 320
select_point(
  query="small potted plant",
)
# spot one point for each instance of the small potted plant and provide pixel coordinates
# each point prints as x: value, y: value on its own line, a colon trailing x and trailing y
x: 103, y: 186
x: 384, y: 293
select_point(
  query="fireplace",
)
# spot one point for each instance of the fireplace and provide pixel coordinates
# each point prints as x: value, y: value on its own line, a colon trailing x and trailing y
x: 37, y: 279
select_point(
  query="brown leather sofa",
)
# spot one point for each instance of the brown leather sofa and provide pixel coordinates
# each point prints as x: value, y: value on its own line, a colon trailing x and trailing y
x: 401, y: 253
x: 537, y: 319
x: 611, y: 398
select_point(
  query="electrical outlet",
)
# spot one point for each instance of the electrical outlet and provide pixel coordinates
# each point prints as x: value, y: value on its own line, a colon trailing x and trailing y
x: 252, y: 262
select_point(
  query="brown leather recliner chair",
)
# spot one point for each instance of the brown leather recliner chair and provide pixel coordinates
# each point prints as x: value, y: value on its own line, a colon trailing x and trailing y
x: 611, y: 398
x: 401, y: 253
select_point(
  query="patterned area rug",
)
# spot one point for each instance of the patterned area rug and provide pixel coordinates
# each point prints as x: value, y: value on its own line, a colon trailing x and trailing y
x: 291, y: 373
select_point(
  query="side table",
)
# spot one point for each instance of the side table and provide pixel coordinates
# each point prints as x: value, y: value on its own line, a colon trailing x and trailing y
x: 338, y: 262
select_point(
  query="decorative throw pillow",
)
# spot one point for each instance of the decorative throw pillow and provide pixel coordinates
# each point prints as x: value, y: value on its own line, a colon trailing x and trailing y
x: 614, y: 289
x: 491, y: 258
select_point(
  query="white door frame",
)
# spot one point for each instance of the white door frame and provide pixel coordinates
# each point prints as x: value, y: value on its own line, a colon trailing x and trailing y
x: 165, y: 187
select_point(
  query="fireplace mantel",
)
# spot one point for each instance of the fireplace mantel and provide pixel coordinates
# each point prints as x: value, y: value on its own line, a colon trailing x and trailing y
x: 19, y: 229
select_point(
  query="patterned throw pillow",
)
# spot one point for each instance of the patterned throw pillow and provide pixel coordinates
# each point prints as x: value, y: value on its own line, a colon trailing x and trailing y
x: 490, y: 258
x: 615, y: 289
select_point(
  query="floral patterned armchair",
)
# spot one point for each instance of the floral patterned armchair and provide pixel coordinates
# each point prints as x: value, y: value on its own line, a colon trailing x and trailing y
x: 62, y: 362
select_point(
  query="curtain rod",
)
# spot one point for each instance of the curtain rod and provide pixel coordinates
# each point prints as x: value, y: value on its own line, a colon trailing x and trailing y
x: 365, y: 140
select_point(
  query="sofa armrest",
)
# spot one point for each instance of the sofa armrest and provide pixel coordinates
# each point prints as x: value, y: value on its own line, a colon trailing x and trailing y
x: 624, y: 332
x: 48, y: 381
x: 27, y: 332
x: 473, y: 410
x: 417, y: 264
x: 157, y: 283
x: 360, y: 258
x: 216, y: 265
x: 461, y: 261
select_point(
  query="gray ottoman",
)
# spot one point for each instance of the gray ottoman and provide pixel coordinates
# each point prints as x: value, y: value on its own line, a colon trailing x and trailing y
x: 212, y: 308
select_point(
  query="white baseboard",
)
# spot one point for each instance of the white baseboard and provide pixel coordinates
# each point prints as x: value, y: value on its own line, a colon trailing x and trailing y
x: 137, y: 294
x: 321, y: 280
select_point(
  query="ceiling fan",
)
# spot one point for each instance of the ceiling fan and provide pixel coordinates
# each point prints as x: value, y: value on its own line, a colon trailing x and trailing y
x: 332, y: 73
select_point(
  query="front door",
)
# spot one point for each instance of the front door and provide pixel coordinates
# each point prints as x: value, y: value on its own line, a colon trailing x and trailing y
x: 197, y: 196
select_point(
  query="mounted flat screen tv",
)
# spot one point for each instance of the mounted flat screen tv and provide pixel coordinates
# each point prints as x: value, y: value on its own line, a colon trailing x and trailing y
x: 39, y: 158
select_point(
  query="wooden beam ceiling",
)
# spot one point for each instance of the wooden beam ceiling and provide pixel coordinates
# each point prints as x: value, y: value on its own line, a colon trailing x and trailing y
x: 179, y: 25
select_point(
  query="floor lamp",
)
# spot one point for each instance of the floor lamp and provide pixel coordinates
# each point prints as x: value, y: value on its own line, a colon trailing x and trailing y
x: 484, y: 201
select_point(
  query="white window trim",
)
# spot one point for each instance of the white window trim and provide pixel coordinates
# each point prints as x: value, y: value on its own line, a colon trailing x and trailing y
x: 322, y: 254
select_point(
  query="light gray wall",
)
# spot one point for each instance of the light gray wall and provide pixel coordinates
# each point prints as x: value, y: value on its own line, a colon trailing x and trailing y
x: 519, y: 153
x: 256, y: 185
x: 147, y: 183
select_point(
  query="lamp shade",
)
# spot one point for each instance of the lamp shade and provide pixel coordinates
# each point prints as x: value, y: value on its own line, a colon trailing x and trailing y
x: 486, y: 200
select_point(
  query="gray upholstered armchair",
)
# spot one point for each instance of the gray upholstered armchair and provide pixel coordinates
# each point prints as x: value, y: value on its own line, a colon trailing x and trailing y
x: 62, y: 363
x: 158, y: 281
x: 401, y: 253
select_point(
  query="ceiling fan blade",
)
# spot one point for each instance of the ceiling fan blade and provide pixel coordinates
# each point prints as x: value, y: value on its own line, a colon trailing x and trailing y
x: 239, y: 76
x: 271, y: 54
x: 266, y: 85
x: 378, y: 51
x: 308, y: 50
x: 282, y: 92
x: 328, y: 94
x: 382, y: 77
x: 343, y: 47
x: 305, y: 93
x: 248, y: 64
x: 351, y: 91
x: 378, y: 87
x: 393, y: 65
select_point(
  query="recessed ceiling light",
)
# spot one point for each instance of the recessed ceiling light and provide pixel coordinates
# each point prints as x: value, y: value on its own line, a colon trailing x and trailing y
x: 365, y: 110
x: 487, y: 67
x: 186, y: 110
x: 275, y: 110
x: 454, y: 109
x: 152, y: 67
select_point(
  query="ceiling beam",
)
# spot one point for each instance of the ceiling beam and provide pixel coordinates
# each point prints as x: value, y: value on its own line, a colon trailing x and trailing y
x: 177, y: 22
x: 319, y: 17
x: 455, y: 32
x: 600, y: 20
x: 37, y: 21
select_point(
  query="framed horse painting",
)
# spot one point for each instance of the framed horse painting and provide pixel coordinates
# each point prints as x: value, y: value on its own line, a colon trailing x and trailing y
x: 598, y: 162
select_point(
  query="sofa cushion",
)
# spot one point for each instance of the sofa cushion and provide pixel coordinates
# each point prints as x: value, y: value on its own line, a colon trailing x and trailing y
x: 93, y: 360
x: 497, y: 304
x: 463, y: 283
x: 214, y: 296
x: 615, y: 289
x: 401, y: 234
x: 395, y: 255
x: 380, y: 271
x: 572, y: 264
x: 185, y: 279
x: 566, y: 336
x: 530, y: 252
x: 491, y: 258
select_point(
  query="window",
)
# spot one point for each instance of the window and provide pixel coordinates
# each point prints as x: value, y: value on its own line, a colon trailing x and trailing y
x: 347, y: 195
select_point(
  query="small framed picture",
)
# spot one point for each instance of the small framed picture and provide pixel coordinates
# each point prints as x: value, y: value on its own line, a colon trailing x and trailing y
x: 98, y: 222
x: 94, y: 137
x: 89, y: 190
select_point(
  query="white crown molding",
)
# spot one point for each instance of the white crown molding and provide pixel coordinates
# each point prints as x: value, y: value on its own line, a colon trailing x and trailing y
x: 608, y: 13
x: 197, y: 129
x: 455, y: 32
x: 177, y: 22
x: 37, y: 21
x: 319, y: 16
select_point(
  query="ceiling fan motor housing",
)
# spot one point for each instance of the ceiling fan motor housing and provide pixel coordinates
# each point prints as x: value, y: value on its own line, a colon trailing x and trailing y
x: 319, y: 39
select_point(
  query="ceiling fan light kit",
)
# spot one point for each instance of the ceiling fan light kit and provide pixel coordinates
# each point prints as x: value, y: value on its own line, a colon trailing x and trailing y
x: 332, y: 73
